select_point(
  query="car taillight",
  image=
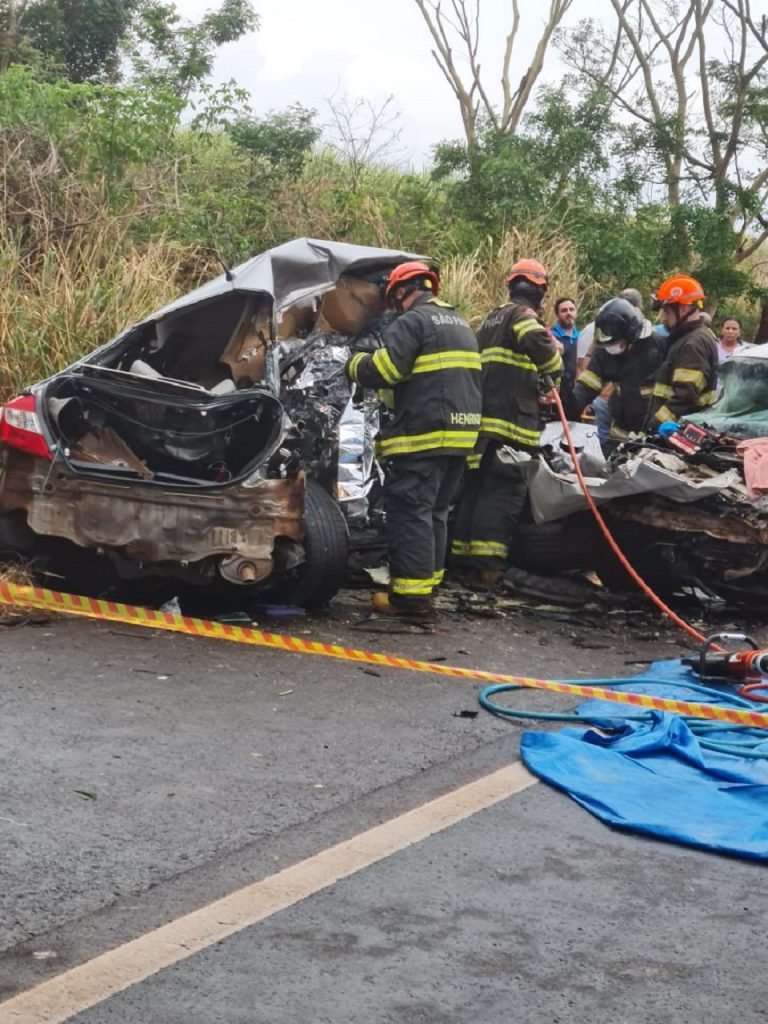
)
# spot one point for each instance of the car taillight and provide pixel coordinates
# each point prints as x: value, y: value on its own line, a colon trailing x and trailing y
x: 20, y: 427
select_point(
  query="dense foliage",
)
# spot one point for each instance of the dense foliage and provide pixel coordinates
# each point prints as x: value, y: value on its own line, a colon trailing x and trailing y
x: 116, y: 197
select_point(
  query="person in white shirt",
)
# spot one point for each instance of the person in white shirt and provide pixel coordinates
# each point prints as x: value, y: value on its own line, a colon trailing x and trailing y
x: 730, y: 338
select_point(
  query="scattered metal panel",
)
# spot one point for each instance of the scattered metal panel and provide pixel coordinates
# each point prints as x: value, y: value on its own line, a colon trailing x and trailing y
x: 691, y: 519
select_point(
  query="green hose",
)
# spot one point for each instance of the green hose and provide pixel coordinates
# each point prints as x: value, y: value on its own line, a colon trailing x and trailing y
x: 706, y: 731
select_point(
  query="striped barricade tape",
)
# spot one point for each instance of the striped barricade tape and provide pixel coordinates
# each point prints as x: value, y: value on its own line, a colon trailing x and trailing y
x: 135, y: 615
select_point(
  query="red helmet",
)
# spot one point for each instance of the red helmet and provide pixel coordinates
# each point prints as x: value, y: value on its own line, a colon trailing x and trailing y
x: 531, y: 270
x: 414, y: 272
x: 680, y: 289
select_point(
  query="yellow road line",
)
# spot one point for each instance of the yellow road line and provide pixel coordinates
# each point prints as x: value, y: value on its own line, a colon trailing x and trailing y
x: 74, y: 991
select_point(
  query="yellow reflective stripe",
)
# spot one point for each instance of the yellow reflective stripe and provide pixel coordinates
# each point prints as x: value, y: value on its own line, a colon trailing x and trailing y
x: 510, y: 430
x: 525, y: 327
x: 617, y: 388
x: 399, y: 585
x: 455, y: 359
x: 646, y: 391
x: 552, y: 365
x: 487, y: 547
x: 685, y: 376
x: 708, y: 398
x: 663, y: 391
x: 663, y: 415
x: 437, y: 579
x: 423, y: 442
x: 386, y: 397
x: 481, y: 548
x: 383, y: 363
x: 473, y: 461
x: 354, y: 363
x: 591, y: 380
x: 505, y: 355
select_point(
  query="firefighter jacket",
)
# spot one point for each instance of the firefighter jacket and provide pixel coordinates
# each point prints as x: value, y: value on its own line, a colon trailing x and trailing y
x: 515, y: 350
x: 687, y: 379
x: 430, y: 361
x: 632, y: 374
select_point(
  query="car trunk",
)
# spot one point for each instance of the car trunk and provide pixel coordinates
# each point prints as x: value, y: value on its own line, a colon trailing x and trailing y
x: 156, y: 430
x: 176, y: 400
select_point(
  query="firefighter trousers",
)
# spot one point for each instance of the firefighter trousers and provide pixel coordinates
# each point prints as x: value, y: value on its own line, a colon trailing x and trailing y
x: 491, y: 502
x: 418, y: 491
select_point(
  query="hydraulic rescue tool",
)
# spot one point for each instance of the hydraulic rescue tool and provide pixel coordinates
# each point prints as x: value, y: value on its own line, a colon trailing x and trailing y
x: 724, y: 666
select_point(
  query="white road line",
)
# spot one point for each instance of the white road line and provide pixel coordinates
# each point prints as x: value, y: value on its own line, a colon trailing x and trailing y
x: 94, y: 981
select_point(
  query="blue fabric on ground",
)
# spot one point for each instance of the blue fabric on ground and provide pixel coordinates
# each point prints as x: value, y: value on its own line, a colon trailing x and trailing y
x: 652, y: 776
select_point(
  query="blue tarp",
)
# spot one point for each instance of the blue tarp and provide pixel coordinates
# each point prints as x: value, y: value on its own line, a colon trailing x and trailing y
x: 654, y: 777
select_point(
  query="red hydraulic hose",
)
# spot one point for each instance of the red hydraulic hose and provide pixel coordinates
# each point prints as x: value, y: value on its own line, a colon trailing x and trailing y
x: 646, y: 589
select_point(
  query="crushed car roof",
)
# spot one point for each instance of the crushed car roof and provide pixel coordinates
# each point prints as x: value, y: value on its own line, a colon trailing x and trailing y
x: 290, y: 272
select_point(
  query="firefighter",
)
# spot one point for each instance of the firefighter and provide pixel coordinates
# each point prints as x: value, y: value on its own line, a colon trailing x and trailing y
x: 429, y: 359
x: 686, y: 381
x: 627, y: 354
x: 520, y: 362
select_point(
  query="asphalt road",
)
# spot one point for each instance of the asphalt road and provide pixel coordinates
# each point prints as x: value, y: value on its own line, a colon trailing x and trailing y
x: 148, y: 774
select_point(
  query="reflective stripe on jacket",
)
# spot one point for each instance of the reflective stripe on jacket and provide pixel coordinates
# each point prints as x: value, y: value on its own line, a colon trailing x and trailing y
x: 686, y: 381
x: 515, y: 349
x: 430, y: 361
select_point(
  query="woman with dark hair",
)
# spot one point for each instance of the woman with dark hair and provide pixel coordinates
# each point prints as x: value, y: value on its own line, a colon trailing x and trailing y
x: 730, y: 338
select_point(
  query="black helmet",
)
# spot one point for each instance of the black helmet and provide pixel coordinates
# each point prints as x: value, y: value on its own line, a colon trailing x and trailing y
x: 618, y: 320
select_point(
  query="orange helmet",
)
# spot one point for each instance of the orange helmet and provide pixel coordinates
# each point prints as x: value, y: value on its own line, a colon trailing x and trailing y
x: 531, y: 270
x: 416, y: 272
x: 678, y: 290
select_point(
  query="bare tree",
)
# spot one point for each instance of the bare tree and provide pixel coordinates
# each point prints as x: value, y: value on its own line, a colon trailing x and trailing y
x: 457, y: 23
x: 699, y: 117
x: 362, y: 133
x: 11, y: 20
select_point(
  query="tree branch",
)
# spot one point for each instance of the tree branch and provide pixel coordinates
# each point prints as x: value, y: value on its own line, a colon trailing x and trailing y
x: 465, y: 25
x: 506, y: 91
x: 706, y: 97
x: 745, y: 251
x: 745, y: 16
x: 557, y: 11
x: 432, y: 14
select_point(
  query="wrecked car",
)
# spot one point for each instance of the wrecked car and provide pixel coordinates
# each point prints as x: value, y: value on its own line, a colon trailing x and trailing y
x: 689, y: 510
x: 214, y: 443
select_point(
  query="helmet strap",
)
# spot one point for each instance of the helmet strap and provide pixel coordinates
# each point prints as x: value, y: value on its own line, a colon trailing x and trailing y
x: 684, y: 317
x: 407, y: 289
x: 526, y: 292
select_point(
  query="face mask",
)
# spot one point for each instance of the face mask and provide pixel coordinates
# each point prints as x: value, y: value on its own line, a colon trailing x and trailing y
x: 616, y: 348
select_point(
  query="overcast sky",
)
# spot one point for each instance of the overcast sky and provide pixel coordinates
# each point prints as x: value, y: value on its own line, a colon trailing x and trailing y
x: 305, y: 51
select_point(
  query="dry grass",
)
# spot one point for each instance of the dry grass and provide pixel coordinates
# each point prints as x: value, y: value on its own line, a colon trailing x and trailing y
x: 70, y: 275
x: 92, y: 282
x: 73, y: 290
x: 19, y: 575
x: 476, y: 283
x: 73, y: 299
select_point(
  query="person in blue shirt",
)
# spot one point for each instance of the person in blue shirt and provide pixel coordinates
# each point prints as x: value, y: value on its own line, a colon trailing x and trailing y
x: 566, y: 334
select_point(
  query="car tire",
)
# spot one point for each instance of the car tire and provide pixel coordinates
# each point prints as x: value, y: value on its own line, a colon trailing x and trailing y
x: 326, y: 542
x: 563, y: 545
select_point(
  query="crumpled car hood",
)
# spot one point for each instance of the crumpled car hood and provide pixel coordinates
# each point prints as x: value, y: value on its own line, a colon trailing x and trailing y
x: 289, y: 272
